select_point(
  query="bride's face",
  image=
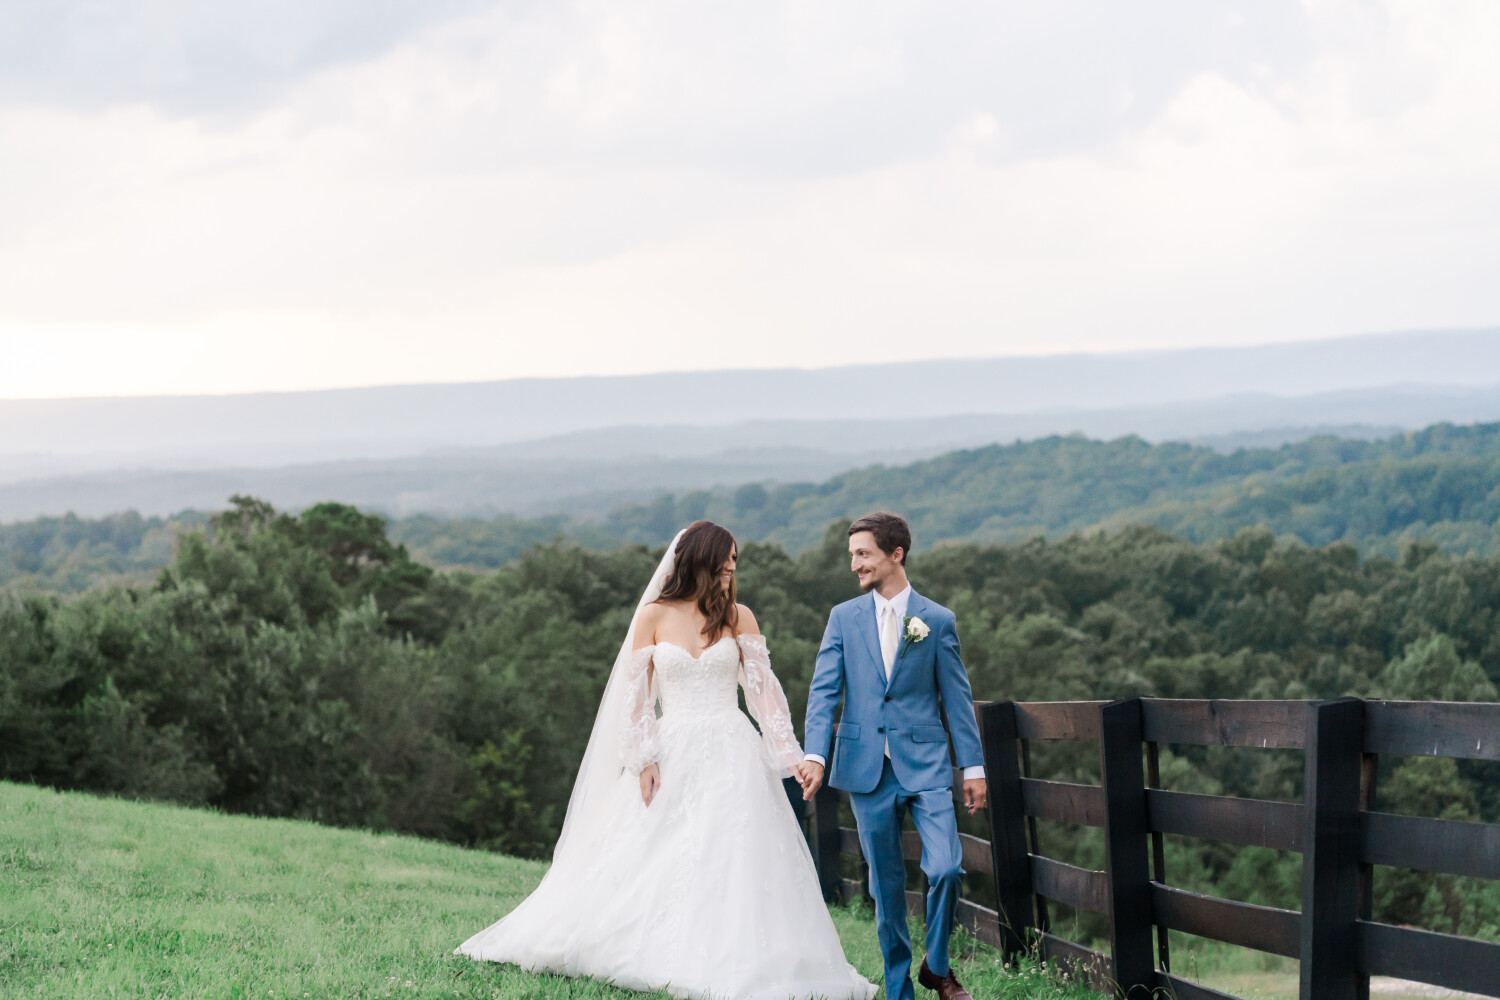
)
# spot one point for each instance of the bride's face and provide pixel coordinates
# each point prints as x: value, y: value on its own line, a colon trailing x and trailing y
x: 726, y: 572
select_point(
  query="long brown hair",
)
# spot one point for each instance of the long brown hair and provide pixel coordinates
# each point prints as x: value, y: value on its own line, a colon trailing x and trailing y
x: 701, y: 554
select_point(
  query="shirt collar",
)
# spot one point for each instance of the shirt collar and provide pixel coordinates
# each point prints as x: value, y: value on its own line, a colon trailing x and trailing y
x: 899, y: 602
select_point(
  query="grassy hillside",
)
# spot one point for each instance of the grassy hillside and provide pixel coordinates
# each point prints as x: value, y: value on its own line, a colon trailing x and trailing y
x: 109, y: 898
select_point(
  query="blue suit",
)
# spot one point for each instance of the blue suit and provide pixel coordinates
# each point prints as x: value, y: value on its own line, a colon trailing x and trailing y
x: 906, y: 713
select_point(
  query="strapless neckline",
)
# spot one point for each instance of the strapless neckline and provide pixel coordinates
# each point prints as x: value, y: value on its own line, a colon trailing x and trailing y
x: 706, y: 649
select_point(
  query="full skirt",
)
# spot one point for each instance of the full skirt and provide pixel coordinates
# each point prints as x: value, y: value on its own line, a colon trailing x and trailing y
x: 710, y: 892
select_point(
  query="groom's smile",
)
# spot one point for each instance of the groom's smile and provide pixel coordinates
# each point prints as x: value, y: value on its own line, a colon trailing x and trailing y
x: 874, y: 568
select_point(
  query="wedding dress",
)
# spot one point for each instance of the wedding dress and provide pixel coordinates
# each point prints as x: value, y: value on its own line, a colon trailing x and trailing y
x: 710, y: 891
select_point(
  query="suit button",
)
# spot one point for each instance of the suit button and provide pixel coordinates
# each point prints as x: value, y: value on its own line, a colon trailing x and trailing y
x: 881, y: 729
x: 887, y: 697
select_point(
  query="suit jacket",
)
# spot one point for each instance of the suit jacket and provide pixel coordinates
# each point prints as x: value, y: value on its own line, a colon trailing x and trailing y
x: 905, y: 711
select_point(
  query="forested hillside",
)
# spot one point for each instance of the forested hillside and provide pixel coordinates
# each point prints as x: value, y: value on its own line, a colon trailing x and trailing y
x: 1443, y: 482
x: 306, y: 666
x: 72, y: 553
x: 1441, y: 485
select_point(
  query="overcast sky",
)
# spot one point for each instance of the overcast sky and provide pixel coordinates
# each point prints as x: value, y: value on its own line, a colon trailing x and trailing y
x: 218, y: 197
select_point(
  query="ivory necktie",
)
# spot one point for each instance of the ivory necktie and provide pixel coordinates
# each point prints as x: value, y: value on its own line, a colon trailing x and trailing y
x: 890, y: 638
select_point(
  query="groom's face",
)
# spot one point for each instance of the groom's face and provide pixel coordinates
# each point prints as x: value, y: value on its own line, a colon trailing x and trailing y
x: 872, y: 566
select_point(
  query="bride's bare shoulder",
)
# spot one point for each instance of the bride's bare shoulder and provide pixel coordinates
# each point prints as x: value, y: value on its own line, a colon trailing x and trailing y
x: 646, y: 624
x: 660, y: 610
x: 746, y: 623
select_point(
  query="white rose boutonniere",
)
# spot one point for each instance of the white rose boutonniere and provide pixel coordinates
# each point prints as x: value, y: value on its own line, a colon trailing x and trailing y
x: 916, y: 629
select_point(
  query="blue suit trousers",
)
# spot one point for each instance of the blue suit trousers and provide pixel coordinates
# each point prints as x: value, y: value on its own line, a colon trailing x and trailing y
x: 878, y: 815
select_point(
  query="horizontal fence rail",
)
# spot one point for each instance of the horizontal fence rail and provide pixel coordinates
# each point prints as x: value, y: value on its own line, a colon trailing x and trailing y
x: 1336, y: 830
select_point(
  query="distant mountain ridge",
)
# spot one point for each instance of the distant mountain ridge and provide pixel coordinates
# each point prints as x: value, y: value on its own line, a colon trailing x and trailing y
x: 588, y: 472
x: 272, y: 429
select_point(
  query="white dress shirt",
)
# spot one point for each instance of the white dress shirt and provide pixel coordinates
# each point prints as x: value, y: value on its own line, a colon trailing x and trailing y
x: 898, y: 602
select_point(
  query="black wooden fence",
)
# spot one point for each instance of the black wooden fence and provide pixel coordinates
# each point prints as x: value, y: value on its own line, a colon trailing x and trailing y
x: 1337, y: 829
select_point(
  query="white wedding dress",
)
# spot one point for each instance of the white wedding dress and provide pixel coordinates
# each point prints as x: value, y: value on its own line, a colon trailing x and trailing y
x: 711, y: 890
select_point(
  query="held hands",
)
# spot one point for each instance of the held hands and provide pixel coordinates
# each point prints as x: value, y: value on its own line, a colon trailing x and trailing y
x: 976, y: 794
x: 650, y: 783
x: 809, y: 774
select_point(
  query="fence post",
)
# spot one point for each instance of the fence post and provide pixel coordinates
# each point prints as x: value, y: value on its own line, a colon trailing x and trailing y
x: 1330, y: 859
x: 1368, y: 773
x: 1158, y: 857
x: 1007, y: 816
x: 826, y: 825
x: 1124, y: 780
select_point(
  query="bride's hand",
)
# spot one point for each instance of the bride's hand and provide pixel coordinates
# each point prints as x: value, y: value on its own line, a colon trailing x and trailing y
x: 650, y: 783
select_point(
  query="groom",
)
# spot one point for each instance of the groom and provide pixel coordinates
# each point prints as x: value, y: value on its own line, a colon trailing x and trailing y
x: 893, y: 657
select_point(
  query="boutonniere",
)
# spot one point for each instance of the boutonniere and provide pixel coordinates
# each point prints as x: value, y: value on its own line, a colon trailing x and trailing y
x: 916, y: 631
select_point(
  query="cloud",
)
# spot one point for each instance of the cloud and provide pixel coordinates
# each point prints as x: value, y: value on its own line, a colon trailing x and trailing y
x: 786, y: 85
x: 567, y: 188
x: 189, y: 57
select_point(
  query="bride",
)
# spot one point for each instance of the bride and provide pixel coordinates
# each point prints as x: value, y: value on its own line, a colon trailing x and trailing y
x: 680, y: 865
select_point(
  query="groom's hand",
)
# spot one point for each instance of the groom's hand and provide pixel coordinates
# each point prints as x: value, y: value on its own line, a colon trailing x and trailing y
x: 976, y: 793
x: 810, y: 776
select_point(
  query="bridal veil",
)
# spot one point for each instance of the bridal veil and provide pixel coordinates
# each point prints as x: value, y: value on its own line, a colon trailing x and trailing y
x: 588, y: 818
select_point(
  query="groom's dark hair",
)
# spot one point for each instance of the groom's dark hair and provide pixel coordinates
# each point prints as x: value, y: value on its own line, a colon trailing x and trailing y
x: 890, y: 530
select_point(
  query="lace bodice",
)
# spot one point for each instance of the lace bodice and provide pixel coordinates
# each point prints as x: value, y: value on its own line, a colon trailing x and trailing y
x: 702, y: 686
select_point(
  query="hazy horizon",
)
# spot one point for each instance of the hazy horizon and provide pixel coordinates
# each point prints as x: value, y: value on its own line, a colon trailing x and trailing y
x: 538, y: 444
x: 1415, y: 368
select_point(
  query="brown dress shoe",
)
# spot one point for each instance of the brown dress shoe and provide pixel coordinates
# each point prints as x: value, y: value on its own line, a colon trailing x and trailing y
x: 947, y: 988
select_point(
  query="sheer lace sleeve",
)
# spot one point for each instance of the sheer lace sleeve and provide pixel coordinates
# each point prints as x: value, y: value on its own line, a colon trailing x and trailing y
x: 639, y: 745
x: 767, y: 703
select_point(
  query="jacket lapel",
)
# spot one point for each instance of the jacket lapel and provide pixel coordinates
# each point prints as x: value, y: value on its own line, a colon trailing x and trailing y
x: 864, y: 622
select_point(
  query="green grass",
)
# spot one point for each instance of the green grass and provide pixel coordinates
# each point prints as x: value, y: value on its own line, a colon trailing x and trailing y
x: 110, y: 898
